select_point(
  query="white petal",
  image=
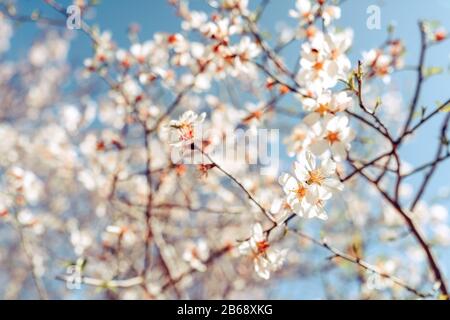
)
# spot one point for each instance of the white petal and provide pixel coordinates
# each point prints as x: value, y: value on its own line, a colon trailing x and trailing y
x: 258, y: 232
x: 300, y: 171
x: 319, y: 147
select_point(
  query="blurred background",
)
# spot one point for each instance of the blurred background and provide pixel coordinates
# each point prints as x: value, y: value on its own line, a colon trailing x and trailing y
x: 158, y: 15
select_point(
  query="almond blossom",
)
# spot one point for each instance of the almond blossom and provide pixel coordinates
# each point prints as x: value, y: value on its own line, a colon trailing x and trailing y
x: 186, y: 129
x: 323, y: 60
x: 335, y: 137
x: 327, y: 103
x: 24, y: 184
x: 92, y: 123
x: 141, y: 51
x: 311, y: 187
x: 5, y: 34
x: 322, y: 176
x: 302, y: 199
x: 304, y: 11
x: 196, y: 254
x: 266, y: 260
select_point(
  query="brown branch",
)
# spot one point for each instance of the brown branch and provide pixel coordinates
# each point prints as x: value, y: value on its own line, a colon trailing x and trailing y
x: 231, y: 177
x: 214, y: 256
x: 420, y: 78
x: 95, y: 282
x: 428, y: 117
x: 148, y: 209
x: 38, y: 283
x: 433, y: 168
x: 361, y: 263
x: 364, y: 166
x: 417, y: 234
x: 427, y: 165
x: 381, y: 127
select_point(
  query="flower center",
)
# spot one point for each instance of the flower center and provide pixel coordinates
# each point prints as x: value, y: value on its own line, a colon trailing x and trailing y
x: 262, y: 246
x: 315, y: 177
x: 299, y: 136
x: 334, y: 54
x: 323, y: 109
x: 310, y: 31
x: 333, y: 137
x: 300, y: 192
x: 318, y: 66
x: 172, y: 39
x: 186, y: 131
x: 195, y: 253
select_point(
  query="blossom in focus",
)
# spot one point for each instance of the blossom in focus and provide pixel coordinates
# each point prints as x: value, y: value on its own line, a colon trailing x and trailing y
x: 186, y: 129
x: 325, y: 104
x: 323, y: 61
x: 322, y: 176
x: 382, y: 62
x: 312, y: 186
x: 266, y: 260
x: 336, y: 136
x: 298, y: 195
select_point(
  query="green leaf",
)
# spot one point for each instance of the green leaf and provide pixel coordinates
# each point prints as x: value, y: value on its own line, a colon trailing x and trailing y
x: 423, y: 111
x: 391, y: 28
x: 432, y: 24
x: 378, y: 103
x: 432, y: 71
x: 446, y: 108
x: 418, y: 114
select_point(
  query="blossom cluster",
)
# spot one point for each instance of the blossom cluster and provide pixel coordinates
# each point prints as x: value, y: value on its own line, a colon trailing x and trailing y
x: 324, y: 134
x: 321, y: 139
x: 91, y: 179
